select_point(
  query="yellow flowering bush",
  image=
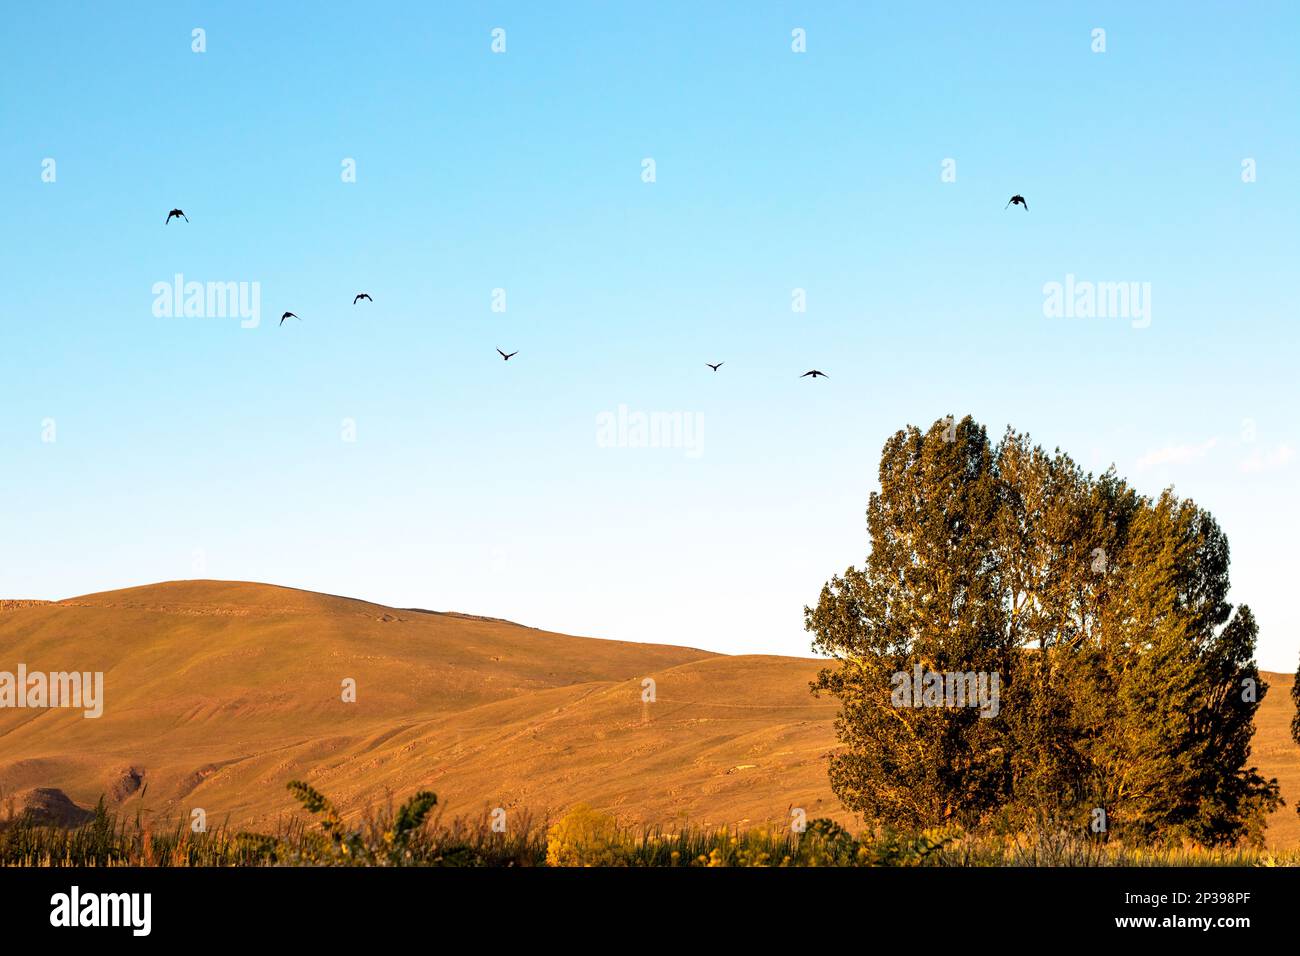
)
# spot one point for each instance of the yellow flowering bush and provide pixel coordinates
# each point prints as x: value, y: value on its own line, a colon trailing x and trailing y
x: 584, y: 837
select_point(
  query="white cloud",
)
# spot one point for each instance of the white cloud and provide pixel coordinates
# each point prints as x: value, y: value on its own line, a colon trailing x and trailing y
x: 1269, y: 460
x: 1175, y: 454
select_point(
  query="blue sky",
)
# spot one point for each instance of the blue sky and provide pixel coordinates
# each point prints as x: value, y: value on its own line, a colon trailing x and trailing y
x: 481, y: 486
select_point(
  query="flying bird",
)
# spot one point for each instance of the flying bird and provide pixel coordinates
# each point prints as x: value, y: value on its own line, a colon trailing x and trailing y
x: 1017, y: 200
x: 362, y: 295
x: 175, y: 214
x: 715, y: 367
x: 815, y: 374
x: 288, y: 315
x: 507, y: 357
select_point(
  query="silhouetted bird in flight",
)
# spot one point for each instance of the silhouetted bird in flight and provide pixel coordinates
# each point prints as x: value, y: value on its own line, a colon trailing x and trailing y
x: 715, y: 367
x: 175, y: 214
x: 507, y: 357
x: 288, y: 315
x: 815, y: 374
x: 1017, y: 200
x: 362, y: 295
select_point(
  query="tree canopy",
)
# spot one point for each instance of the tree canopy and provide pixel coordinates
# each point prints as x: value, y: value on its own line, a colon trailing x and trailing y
x: 1128, y: 683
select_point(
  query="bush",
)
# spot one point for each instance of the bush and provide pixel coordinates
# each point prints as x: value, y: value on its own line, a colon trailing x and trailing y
x: 584, y: 837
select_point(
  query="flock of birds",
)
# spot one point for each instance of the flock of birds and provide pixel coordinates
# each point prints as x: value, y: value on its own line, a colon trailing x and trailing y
x: 1016, y: 200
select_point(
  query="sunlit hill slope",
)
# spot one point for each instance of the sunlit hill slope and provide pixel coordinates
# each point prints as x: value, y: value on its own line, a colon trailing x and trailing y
x: 218, y: 693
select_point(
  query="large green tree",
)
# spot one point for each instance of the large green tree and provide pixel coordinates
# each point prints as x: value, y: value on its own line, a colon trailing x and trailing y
x: 927, y: 596
x: 1127, y: 681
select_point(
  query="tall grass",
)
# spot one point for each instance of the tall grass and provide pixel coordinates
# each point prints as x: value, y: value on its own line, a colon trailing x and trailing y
x: 417, y: 834
x: 112, y: 840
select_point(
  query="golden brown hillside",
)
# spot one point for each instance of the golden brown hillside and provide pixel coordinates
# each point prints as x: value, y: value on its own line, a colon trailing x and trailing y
x: 1276, y: 755
x: 218, y: 693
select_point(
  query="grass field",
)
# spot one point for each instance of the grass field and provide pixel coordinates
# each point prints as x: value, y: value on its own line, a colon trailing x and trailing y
x: 582, y: 837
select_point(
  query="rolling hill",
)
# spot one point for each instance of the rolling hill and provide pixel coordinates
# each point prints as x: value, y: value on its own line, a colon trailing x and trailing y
x: 218, y: 693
